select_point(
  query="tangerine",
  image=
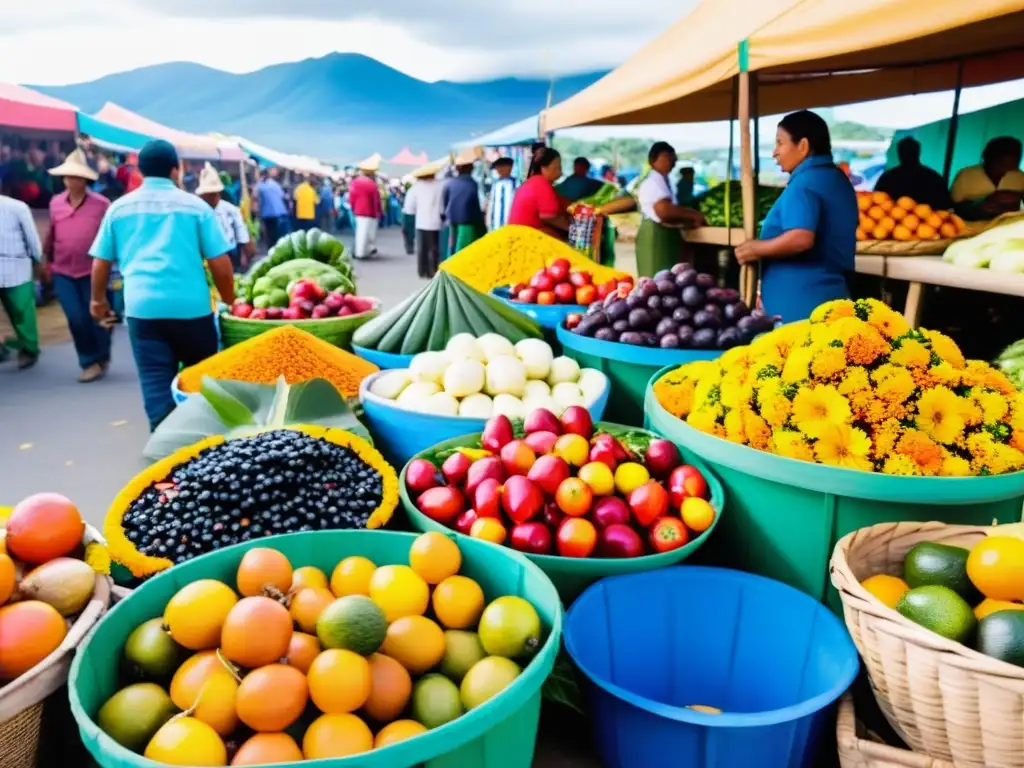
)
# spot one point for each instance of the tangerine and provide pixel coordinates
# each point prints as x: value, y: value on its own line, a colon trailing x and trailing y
x: 885, y: 588
x: 390, y: 689
x: 996, y: 567
x: 215, y: 704
x: 336, y: 735
x: 302, y: 649
x: 876, y: 213
x: 879, y: 233
x: 458, y: 602
x: 435, y: 557
x: 880, y: 197
x: 887, y: 224
x: 416, y: 642
x: 196, y: 613
x: 262, y: 567
x: 399, y: 591
x: 307, y: 605
x: 958, y: 222
x: 352, y: 577
x: 902, y: 233
x: 339, y: 681
x: 911, y: 222
x: 8, y: 578
x: 256, y: 632
x: 866, y: 222
x: 948, y: 229
x: 400, y: 730
x: 864, y: 201
x: 309, y: 576
x: 697, y: 513
x: 192, y: 675
x: 989, y: 606
x: 906, y: 203
x: 897, y: 213
x: 29, y: 632
x: 271, y: 698
x: 926, y: 232
x: 923, y: 211
x: 861, y: 235
x: 935, y: 221
x: 187, y: 741
x: 268, y: 748
x: 43, y: 527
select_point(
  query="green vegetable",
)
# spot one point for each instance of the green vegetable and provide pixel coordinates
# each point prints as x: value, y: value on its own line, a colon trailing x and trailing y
x: 312, y: 246
x: 263, y: 301
x: 331, y: 282
x: 278, y: 298
x: 722, y: 205
x: 263, y: 285
x: 1001, y: 636
x: 939, y: 564
x: 941, y: 610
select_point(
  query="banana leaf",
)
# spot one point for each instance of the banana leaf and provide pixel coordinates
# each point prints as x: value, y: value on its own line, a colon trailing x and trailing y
x: 238, y: 408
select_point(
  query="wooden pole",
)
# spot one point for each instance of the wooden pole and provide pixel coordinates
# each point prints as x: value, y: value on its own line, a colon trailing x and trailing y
x: 747, y: 273
x: 954, y: 123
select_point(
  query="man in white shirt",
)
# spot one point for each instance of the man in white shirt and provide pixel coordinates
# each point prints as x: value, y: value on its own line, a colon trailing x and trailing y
x: 424, y: 201
x: 503, y: 189
x: 659, y: 241
x: 20, y: 255
x: 232, y: 224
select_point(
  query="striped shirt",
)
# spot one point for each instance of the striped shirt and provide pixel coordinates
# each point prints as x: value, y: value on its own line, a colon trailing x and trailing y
x: 500, y: 203
x: 231, y: 223
x: 19, y: 243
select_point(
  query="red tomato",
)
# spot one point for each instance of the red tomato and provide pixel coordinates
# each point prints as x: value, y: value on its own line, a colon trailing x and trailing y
x: 668, y: 533
x: 574, y: 497
x: 648, y: 502
x: 545, y: 297
x: 605, y: 288
x: 558, y: 271
x: 580, y: 279
x: 577, y: 537
x: 586, y: 294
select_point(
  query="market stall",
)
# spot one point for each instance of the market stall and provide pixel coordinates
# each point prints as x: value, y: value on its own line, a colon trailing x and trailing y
x: 25, y: 109
x: 191, y: 146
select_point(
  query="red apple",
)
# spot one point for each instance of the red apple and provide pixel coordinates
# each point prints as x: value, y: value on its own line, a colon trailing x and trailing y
x: 497, y: 432
x: 275, y: 313
x: 620, y: 453
x: 604, y: 290
x: 516, y: 289
x: 558, y: 272
x: 565, y: 293
x: 241, y: 309
x: 662, y: 457
x: 561, y: 264
x: 527, y: 296
x: 521, y: 499
x: 541, y: 420
x: 648, y: 502
x: 261, y: 314
x: 456, y: 467
x: 465, y: 522
x: 420, y: 476
x: 487, y: 498
x: 610, y: 510
x: 604, y: 453
x: 517, y: 457
x: 576, y: 420
x: 542, y: 442
x: 620, y: 541
x: 686, y: 481
x: 533, y: 538
x: 574, y: 497
x: 489, y: 467
x: 542, y: 282
x: 572, y: 320
x: 548, y: 472
x: 441, y: 504
x: 579, y: 279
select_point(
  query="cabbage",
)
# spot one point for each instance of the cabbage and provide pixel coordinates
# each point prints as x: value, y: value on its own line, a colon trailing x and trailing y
x: 1011, y: 259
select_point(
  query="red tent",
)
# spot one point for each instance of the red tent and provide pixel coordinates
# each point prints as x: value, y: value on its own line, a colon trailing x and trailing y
x: 24, y: 108
x: 406, y: 157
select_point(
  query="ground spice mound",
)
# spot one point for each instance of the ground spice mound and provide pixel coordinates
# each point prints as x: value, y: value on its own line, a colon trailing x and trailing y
x: 284, y: 351
x: 512, y: 255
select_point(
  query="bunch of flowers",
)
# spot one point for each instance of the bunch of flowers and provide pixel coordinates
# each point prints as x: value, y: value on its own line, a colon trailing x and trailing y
x: 855, y: 386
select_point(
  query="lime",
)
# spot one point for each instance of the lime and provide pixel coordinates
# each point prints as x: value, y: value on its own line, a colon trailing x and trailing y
x: 354, y: 623
x: 487, y: 679
x: 462, y: 651
x: 941, y: 610
x: 510, y: 627
x: 436, y: 701
x: 132, y: 715
x: 150, y: 653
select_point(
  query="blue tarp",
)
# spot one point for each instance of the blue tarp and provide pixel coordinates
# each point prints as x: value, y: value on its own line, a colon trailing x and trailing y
x: 111, y: 134
x: 524, y: 131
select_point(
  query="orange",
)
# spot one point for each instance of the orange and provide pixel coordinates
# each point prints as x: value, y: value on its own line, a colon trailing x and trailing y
x: 399, y: 591
x: 268, y: 748
x: 599, y: 477
x: 886, y: 205
x: 935, y: 221
x: 390, y: 689
x: 271, y: 698
x: 263, y: 567
x: 866, y: 223
x: 887, y: 589
x: 400, y: 730
x: 897, y: 213
x: 902, y: 233
x: 29, y: 632
x: 458, y: 602
x: 860, y: 234
x: 339, y: 681
x: 8, y: 576
x: 887, y: 224
x: 879, y: 233
x: 196, y: 613
x: 216, y: 702
x: 876, y: 213
x: 336, y: 735
x: 309, y: 576
x: 958, y: 222
x: 864, y: 201
x: 416, y: 642
x: 880, y: 197
x: 922, y: 211
x: 191, y: 676
x: 988, y: 606
x: 302, y: 650
x: 489, y: 529
x: 926, y: 232
x: 307, y: 605
x: 352, y: 577
x: 435, y: 557
x: 996, y: 567
x: 948, y: 229
x: 43, y: 527
x: 573, y: 448
x: 697, y: 513
x: 906, y: 203
x: 911, y: 222
x: 256, y: 632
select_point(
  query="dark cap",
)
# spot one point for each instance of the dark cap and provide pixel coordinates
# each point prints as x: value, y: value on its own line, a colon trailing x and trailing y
x: 158, y: 158
x: 502, y: 162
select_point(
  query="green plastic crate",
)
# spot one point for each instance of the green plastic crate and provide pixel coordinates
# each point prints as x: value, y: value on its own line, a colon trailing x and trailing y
x: 500, y: 734
x: 785, y: 516
x: 571, y: 575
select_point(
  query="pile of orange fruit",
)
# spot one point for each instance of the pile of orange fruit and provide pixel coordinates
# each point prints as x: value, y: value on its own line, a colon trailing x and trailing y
x: 882, y: 218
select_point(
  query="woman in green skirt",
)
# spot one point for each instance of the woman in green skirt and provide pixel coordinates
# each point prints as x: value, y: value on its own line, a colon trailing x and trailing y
x: 659, y: 242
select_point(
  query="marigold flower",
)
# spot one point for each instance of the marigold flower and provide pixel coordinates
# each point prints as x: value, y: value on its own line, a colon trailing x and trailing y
x: 924, y: 451
x: 911, y: 354
x: 832, y: 310
x: 759, y: 434
x: 734, y: 427
x: 887, y: 321
x: 901, y: 465
x: 792, y: 445
x: 844, y: 446
x: 945, y: 348
x: 814, y: 410
x: 798, y: 365
x: 829, y: 362
x: 954, y: 466
x: 940, y: 415
x: 893, y: 383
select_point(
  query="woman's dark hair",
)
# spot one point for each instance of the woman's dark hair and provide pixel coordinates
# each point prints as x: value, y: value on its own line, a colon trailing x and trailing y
x: 807, y: 125
x: 1002, y: 146
x: 658, y: 149
x: 544, y: 159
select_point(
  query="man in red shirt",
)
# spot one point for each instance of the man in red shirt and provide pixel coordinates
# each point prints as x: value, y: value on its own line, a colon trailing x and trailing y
x: 75, y: 217
x: 364, y: 199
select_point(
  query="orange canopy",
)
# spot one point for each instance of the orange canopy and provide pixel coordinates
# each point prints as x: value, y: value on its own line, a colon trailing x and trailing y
x: 807, y: 53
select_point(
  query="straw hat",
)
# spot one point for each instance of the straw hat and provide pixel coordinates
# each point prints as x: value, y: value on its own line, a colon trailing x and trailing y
x: 427, y: 171
x: 370, y: 164
x: 75, y: 165
x: 209, y: 181
x: 467, y: 157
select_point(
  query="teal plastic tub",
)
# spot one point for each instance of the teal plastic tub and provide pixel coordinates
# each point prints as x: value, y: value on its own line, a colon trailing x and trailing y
x: 785, y: 516
x: 628, y: 368
x: 548, y: 316
x: 500, y: 734
x: 572, y: 575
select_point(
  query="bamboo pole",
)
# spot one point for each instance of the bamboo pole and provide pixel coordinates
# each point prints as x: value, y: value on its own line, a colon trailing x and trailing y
x: 748, y: 279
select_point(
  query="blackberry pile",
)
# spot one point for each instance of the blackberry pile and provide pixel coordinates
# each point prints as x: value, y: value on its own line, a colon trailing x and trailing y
x: 272, y: 483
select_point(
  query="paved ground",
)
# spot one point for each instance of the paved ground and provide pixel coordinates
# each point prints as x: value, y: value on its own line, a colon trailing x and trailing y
x: 84, y: 441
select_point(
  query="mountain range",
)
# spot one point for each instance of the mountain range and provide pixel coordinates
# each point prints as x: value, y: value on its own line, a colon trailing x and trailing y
x: 341, y: 107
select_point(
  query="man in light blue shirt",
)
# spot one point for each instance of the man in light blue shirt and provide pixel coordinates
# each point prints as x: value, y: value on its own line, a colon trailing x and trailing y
x: 160, y: 236
x: 273, y: 208
x: 499, y: 203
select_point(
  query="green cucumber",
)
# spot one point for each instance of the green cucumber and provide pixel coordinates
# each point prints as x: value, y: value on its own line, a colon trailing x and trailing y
x: 528, y: 328
x: 370, y: 333
x: 439, y: 322
x: 458, y: 322
x: 416, y: 339
x: 392, y: 341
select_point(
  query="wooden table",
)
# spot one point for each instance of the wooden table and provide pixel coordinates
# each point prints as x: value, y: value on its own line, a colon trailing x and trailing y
x: 723, y: 236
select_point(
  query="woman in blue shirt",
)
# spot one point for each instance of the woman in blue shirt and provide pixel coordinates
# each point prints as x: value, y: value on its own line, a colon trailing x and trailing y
x: 807, y: 244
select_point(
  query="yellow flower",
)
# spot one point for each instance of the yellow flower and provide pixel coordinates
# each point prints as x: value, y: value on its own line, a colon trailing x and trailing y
x: 865, y: 347
x: 829, y: 362
x: 886, y: 435
x: 993, y: 406
x: 792, y: 445
x: 675, y: 395
x: 911, y: 354
x: 832, y: 310
x: 798, y: 365
x: 703, y: 419
x: 945, y: 348
x: 737, y: 357
x: 841, y: 445
x: 944, y: 373
x: 814, y: 410
x: 998, y: 381
x: 954, y: 466
x: 926, y: 453
x: 893, y: 383
x: 98, y: 558
x: 758, y: 432
x: 776, y: 410
x: 940, y: 415
x: 734, y: 427
x: 901, y: 465
x: 707, y: 392
x: 886, y: 320
x: 855, y: 379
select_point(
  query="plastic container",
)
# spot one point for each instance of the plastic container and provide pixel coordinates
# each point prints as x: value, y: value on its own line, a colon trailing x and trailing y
x: 572, y: 575
x: 334, y: 330
x: 401, y: 434
x: 176, y: 392
x: 629, y: 368
x: 383, y: 360
x: 548, y: 316
x: 785, y: 516
x: 773, y: 661
x: 499, y: 734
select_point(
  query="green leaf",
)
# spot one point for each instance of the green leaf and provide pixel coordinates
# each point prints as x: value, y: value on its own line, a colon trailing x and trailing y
x: 563, y: 686
x: 234, y: 405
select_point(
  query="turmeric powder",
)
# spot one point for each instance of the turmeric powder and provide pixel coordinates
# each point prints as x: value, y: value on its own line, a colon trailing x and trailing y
x: 284, y: 351
x: 513, y: 254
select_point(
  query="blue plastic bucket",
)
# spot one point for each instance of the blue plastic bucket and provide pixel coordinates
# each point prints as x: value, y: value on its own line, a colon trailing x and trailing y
x: 547, y: 315
x: 179, y: 396
x: 401, y: 434
x: 383, y: 360
x: 652, y: 644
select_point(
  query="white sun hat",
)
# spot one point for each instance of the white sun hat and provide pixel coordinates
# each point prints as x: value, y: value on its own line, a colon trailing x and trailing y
x: 209, y: 181
x: 75, y: 165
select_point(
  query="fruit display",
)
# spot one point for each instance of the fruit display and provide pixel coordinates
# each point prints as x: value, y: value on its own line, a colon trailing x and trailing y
x: 220, y: 492
x: 676, y: 309
x: 558, y: 284
x: 1000, y: 248
x: 722, y: 205
x: 286, y: 664
x: 45, y: 581
x: 855, y: 387
x: 882, y: 218
x: 444, y: 308
x: 478, y: 378
x: 562, y: 487
x: 971, y: 596
x: 308, y: 248
x: 302, y: 298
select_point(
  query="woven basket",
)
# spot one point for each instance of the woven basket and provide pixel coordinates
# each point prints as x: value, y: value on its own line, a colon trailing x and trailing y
x: 334, y: 330
x: 859, y: 749
x: 943, y: 698
x: 904, y: 247
x: 21, y: 701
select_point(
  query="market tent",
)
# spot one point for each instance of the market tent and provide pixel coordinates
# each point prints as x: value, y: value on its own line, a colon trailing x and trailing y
x: 110, y: 135
x: 406, y: 157
x: 22, y: 107
x: 189, y: 145
x: 266, y: 156
x: 519, y: 133
x: 807, y: 53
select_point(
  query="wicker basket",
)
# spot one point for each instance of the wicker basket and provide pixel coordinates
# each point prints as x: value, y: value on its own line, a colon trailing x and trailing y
x: 334, y: 330
x: 21, y: 701
x: 904, y: 247
x: 943, y: 698
x: 858, y: 748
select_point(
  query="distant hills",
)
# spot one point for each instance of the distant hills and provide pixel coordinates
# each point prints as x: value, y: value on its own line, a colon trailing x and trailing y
x: 341, y: 107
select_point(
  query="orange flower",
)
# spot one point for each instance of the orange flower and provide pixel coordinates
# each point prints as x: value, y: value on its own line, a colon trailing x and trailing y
x: 925, y: 452
x: 886, y: 435
x: 758, y: 432
x: 912, y: 354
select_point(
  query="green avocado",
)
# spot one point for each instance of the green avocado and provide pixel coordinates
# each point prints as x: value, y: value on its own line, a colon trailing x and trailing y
x: 1001, y: 636
x: 278, y: 298
x: 941, y: 610
x: 262, y: 285
x: 928, y: 563
x: 261, y: 302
